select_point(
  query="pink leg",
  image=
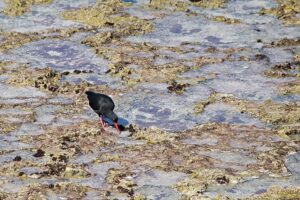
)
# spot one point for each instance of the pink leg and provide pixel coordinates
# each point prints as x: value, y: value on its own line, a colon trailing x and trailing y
x: 102, y: 123
x: 117, y: 127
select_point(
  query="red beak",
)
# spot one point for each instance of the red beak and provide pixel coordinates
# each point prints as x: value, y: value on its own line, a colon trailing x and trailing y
x: 117, y: 127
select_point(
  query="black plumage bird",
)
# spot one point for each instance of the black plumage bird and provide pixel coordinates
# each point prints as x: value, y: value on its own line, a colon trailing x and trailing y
x: 103, y: 105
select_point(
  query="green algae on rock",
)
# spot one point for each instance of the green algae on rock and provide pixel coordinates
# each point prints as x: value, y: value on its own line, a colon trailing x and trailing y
x: 210, y: 4
x: 48, y: 80
x: 199, y: 179
x: 73, y: 139
x: 104, y: 14
x: 19, y: 7
x: 278, y: 193
x: 200, y: 106
x: 285, y: 42
x: 287, y: 69
x: 121, y: 180
x: 106, y: 157
x: 3, y: 65
x: 6, y: 128
x: 15, y: 39
x: 177, y: 5
x: 292, y: 87
x: 174, y: 5
x: 225, y: 20
x: 99, y: 15
x: 75, y: 172
x: 278, y: 114
x: 152, y: 135
x: 41, y: 191
x: 79, y: 146
x: 125, y: 56
x: 287, y: 11
x: 190, y: 188
x: 178, y: 88
x: 213, y: 98
x: 269, y: 111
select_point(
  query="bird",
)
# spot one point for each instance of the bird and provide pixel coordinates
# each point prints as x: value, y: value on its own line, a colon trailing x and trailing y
x: 103, y: 105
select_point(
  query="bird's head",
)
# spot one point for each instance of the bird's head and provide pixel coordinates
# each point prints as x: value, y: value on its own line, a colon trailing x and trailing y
x: 114, y: 118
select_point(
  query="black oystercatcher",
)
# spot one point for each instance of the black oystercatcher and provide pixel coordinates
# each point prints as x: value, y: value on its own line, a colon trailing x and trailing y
x: 103, y: 105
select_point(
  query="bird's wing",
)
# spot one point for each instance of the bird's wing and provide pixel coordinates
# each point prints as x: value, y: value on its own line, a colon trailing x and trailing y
x: 95, y: 105
x: 109, y: 104
x: 104, y: 102
x: 111, y: 101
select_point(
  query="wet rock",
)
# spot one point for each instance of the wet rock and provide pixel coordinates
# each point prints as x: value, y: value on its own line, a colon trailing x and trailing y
x: 11, y: 92
x: 222, y: 113
x: 79, y: 166
x: 230, y: 157
x: 60, y: 55
x: 156, y: 192
x: 292, y: 162
x: 27, y: 129
x: 159, y: 178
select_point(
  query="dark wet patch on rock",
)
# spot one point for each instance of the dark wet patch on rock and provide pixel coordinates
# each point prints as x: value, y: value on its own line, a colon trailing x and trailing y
x: 17, y: 158
x: 177, y: 87
x: 39, y: 153
x: 286, y: 69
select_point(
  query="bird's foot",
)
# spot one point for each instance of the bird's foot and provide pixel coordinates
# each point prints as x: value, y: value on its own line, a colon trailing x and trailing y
x: 105, y: 124
x: 102, y: 123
